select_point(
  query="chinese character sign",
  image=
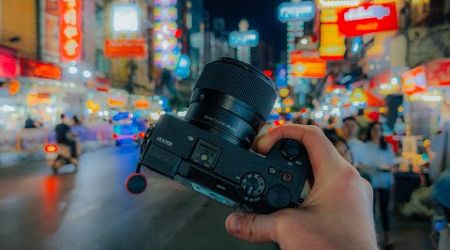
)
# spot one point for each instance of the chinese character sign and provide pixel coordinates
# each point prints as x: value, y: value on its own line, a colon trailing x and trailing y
x: 70, y: 35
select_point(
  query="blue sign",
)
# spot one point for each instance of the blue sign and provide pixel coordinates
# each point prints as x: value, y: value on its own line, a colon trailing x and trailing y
x: 183, y: 69
x: 303, y: 11
x: 281, y: 76
x: 244, y: 39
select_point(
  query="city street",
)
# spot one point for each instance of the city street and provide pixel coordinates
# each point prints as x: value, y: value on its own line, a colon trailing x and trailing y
x: 90, y: 209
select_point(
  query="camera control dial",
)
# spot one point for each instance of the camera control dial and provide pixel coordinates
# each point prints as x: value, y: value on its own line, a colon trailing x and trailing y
x: 291, y: 150
x: 252, y: 185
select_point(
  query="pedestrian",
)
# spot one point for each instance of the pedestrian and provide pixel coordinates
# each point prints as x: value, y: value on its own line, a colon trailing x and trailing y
x: 330, y: 130
x: 379, y: 163
x: 341, y: 146
x: 30, y: 123
x: 350, y: 129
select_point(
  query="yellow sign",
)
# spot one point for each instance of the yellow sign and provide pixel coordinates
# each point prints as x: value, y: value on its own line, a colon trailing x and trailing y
x: 115, y: 103
x: 95, y: 107
x: 332, y: 43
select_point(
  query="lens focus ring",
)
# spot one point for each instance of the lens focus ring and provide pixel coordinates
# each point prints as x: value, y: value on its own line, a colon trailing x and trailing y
x: 242, y: 81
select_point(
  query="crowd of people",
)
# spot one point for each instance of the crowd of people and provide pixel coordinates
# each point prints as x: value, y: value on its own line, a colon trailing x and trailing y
x: 367, y: 150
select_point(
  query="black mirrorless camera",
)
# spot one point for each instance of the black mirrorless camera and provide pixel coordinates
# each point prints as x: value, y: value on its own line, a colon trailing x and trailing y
x: 208, y: 150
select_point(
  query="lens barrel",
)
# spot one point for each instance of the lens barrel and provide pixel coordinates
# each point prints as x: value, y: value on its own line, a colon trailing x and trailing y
x: 232, y: 99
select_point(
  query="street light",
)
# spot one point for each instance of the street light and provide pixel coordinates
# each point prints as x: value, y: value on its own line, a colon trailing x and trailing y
x: 73, y: 70
x: 87, y: 74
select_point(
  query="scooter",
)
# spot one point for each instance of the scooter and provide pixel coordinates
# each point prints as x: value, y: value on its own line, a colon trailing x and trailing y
x: 58, y: 155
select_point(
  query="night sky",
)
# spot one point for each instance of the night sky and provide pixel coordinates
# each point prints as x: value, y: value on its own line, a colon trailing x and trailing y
x: 261, y: 14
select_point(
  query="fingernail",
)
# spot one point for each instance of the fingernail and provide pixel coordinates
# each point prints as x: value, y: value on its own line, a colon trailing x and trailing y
x: 235, y: 223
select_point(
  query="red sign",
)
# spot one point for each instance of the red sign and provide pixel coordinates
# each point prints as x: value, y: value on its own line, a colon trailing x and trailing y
x: 70, y: 36
x: 414, y: 80
x: 8, y: 63
x: 367, y: 18
x: 125, y: 48
x: 35, y: 68
x: 309, y: 68
x: 438, y: 72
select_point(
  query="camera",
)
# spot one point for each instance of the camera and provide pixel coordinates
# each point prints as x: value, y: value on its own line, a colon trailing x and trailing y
x: 209, y: 150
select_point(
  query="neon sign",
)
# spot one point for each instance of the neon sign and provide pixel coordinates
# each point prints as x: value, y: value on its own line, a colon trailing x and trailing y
x: 125, y: 17
x: 303, y: 11
x: 367, y: 18
x: 414, y: 80
x: 165, y: 27
x: 70, y: 37
x: 244, y: 39
x: 338, y: 3
x: 35, y: 68
x: 183, y: 69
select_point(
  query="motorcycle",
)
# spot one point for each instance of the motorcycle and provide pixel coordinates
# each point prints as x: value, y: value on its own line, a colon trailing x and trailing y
x: 58, y: 155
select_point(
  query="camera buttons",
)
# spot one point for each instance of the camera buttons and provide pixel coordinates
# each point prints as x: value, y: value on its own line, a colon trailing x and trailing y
x: 287, y: 177
x: 272, y: 171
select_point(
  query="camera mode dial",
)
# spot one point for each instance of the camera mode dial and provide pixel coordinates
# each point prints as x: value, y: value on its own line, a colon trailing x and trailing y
x: 252, y: 185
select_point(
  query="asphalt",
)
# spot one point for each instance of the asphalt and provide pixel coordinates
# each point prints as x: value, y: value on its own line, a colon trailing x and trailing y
x: 90, y: 209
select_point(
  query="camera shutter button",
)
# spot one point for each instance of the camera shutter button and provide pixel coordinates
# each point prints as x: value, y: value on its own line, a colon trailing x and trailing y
x: 279, y: 196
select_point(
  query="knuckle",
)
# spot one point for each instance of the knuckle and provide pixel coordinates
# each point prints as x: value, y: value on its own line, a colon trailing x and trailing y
x: 248, y: 226
x: 315, y: 130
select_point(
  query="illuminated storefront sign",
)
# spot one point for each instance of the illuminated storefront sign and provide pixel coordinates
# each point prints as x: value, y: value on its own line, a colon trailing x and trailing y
x: 309, y: 68
x: 183, y: 69
x: 165, y: 42
x: 162, y: 14
x: 14, y: 87
x: 8, y: 63
x: 338, y: 3
x: 116, y: 103
x: 244, y: 39
x: 125, y: 48
x: 125, y: 17
x: 332, y: 43
x: 414, y: 80
x: 34, y: 99
x: 438, y: 72
x: 367, y: 18
x: 303, y: 11
x: 165, y: 3
x: 70, y: 37
x: 35, y: 68
x: 142, y: 103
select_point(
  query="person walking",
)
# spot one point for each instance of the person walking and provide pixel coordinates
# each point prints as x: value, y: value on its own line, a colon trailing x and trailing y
x: 379, y: 163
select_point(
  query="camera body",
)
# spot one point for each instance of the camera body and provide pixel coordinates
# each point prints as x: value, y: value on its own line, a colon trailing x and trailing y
x: 232, y: 175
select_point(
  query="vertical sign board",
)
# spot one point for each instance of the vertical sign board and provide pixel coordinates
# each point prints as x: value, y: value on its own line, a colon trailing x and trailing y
x: 70, y: 36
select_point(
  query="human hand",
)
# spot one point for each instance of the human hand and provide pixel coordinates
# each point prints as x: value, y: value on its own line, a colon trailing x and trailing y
x: 337, y: 214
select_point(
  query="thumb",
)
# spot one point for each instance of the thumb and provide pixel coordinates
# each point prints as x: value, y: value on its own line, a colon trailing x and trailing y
x: 252, y: 227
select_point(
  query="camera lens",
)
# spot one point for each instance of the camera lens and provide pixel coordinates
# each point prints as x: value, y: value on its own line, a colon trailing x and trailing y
x: 232, y: 99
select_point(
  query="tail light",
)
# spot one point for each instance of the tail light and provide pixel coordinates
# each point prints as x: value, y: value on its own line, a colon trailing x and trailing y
x: 142, y: 134
x: 115, y: 136
x: 134, y: 137
x: 51, y: 148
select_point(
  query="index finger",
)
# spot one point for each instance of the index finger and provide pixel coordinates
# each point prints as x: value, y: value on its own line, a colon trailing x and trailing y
x: 322, y: 154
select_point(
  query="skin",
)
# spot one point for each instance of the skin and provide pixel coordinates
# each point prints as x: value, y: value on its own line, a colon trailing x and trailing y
x: 350, y: 129
x: 343, y: 151
x: 337, y: 214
